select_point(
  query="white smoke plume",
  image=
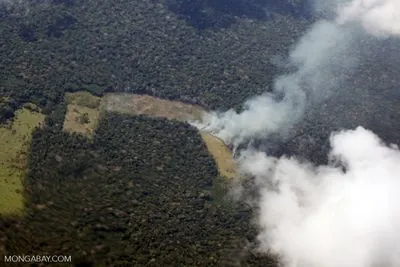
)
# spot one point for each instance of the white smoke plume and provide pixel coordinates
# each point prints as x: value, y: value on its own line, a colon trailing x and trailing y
x: 324, y: 57
x: 319, y: 56
x: 347, y: 213
x: 378, y: 17
x: 326, y: 217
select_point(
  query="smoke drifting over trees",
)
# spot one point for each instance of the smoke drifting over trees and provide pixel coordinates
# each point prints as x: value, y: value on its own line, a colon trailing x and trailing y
x: 324, y: 59
x: 345, y: 213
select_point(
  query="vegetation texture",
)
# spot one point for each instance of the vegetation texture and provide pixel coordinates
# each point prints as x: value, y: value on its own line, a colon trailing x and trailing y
x: 142, y: 193
x: 15, y: 141
x: 139, y: 47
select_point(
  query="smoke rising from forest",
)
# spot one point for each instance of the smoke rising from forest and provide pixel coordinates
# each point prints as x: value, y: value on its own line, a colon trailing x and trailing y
x: 343, y: 214
x: 324, y: 58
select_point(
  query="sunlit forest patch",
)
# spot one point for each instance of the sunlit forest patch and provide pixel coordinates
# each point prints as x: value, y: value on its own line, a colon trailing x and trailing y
x: 15, y: 138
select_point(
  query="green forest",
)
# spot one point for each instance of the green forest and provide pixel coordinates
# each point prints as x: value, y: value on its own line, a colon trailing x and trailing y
x: 135, y: 46
x: 143, y: 192
x: 140, y: 191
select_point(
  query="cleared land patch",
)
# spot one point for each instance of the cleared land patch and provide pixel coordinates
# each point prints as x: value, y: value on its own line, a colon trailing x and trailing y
x: 84, y: 111
x: 15, y: 140
x: 221, y: 154
x: 156, y: 107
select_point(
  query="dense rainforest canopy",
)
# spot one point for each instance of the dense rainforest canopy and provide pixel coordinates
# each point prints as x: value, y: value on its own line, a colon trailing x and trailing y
x: 142, y: 192
x: 50, y: 47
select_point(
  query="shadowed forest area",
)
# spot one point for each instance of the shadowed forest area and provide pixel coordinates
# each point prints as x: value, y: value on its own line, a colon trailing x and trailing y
x: 222, y: 14
x: 143, y: 192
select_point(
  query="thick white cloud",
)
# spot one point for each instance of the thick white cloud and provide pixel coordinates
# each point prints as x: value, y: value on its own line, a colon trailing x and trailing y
x: 378, y: 17
x: 324, y: 217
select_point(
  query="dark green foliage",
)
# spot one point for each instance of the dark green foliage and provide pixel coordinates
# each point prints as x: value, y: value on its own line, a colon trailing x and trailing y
x: 139, y: 194
x: 55, y: 120
x: 135, y: 46
x: 203, y: 14
x: 27, y: 33
x: 46, y: 99
x: 60, y: 25
x: 7, y: 108
x: 67, y: 3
